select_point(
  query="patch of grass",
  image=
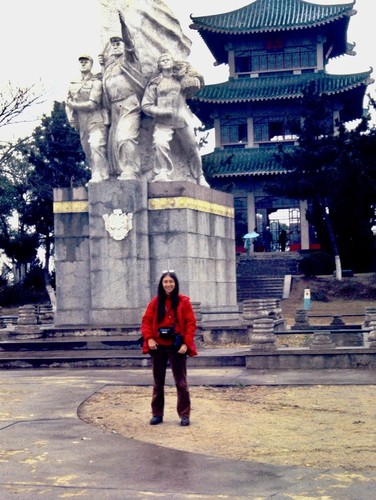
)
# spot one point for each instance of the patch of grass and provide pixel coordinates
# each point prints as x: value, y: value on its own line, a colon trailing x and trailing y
x: 351, y: 288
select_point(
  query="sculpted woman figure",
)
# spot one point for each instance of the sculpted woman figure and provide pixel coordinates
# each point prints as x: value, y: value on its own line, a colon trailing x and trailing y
x: 165, y: 100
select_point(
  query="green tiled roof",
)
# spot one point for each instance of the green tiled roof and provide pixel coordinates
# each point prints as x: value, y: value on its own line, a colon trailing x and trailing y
x: 272, y: 15
x: 241, y: 162
x: 281, y: 87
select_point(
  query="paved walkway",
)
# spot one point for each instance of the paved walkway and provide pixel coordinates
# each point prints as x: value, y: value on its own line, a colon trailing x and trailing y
x: 47, y: 452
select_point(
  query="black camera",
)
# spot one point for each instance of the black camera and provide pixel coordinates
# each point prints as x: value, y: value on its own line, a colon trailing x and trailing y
x: 166, y: 332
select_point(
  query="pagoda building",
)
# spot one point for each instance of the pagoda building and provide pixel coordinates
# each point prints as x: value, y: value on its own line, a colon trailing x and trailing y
x: 274, y: 50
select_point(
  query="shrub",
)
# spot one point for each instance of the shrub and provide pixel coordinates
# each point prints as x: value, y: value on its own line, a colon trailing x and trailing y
x: 319, y: 296
x: 31, y: 290
x: 316, y: 263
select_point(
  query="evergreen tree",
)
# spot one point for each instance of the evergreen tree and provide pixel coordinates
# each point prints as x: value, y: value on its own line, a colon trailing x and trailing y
x: 334, y: 169
x: 57, y: 161
x: 17, y: 239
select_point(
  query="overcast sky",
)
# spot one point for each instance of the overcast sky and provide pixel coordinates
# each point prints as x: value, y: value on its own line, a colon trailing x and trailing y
x: 40, y: 41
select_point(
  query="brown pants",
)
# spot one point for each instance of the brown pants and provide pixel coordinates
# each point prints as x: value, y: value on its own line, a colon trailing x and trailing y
x: 178, y: 362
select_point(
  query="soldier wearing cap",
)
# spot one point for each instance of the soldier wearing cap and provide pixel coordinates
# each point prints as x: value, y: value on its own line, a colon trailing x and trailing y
x: 86, y: 113
x: 123, y: 88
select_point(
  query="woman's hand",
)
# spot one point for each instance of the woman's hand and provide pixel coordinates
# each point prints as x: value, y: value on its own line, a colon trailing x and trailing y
x: 183, y: 349
x: 152, y: 344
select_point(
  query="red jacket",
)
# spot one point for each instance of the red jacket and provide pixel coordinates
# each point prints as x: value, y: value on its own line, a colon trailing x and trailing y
x: 185, y: 324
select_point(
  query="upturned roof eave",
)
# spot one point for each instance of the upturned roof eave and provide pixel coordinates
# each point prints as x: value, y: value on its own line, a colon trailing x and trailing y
x: 247, y: 174
x: 244, y: 163
x: 364, y: 81
x: 276, y: 97
x: 248, y: 99
x: 265, y: 29
x: 201, y: 23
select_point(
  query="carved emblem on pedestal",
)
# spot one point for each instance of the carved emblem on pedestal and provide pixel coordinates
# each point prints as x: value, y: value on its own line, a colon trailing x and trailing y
x: 118, y: 224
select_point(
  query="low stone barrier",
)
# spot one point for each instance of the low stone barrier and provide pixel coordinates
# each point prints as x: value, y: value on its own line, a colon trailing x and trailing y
x: 310, y: 359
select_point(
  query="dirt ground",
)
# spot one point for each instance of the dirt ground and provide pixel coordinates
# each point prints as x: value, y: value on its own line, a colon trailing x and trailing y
x: 348, y: 297
x: 319, y: 426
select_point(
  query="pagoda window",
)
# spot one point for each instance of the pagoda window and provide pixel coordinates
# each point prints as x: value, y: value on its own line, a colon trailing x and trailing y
x: 266, y: 60
x: 243, y: 63
x: 273, y: 129
x: 234, y: 131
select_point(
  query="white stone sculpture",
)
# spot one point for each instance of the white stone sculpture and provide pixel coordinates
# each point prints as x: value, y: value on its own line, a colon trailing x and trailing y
x: 118, y: 224
x: 85, y: 113
x: 123, y: 88
x: 165, y: 100
x: 132, y: 146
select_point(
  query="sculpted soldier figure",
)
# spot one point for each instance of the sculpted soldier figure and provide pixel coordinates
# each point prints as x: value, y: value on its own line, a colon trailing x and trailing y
x: 85, y: 112
x: 165, y: 100
x: 123, y: 89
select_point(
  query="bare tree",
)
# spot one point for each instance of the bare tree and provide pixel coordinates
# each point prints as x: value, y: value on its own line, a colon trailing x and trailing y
x: 14, y: 101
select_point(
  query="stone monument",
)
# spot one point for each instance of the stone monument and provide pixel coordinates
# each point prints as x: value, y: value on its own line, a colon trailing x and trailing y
x: 147, y: 206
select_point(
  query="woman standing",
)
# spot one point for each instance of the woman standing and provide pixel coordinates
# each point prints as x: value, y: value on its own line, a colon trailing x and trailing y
x: 168, y: 328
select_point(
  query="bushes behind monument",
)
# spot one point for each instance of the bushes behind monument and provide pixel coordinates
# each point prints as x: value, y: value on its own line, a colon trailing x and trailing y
x: 30, y: 290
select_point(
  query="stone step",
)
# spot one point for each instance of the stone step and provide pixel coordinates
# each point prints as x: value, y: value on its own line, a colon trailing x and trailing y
x: 269, y: 264
x: 110, y: 358
x: 98, y: 351
x: 259, y: 287
x: 129, y: 342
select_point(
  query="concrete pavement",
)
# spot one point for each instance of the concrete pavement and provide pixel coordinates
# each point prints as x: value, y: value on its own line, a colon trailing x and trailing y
x: 47, y: 452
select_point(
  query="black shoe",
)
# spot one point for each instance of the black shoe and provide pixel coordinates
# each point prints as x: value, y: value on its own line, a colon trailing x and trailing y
x: 156, y: 420
x: 184, y: 420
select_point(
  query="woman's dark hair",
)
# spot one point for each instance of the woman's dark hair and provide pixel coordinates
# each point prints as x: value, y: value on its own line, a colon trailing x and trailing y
x: 162, y: 296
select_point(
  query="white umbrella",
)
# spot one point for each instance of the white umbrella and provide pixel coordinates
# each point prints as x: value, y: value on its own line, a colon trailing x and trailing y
x: 253, y: 234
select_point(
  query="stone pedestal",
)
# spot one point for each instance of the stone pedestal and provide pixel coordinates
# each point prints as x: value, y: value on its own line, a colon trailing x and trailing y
x: 301, y: 320
x: 27, y: 325
x: 370, y: 315
x: 119, y: 281
x: 372, y: 331
x: 263, y: 308
x: 45, y: 315
x: 262, y: 336
x: 101, y: 257
x: 191, y: 230
x: 337, y: 322
x: 2, y: 322
x: 114, y: 239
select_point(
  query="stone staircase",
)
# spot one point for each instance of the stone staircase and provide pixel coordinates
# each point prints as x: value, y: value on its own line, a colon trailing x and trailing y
x: 260, y: 287
x: 263, y: 275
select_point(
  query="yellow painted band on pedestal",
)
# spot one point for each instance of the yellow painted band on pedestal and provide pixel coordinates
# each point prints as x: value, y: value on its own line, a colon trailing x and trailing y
x: 68, y: 207
x: 178, y: 202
